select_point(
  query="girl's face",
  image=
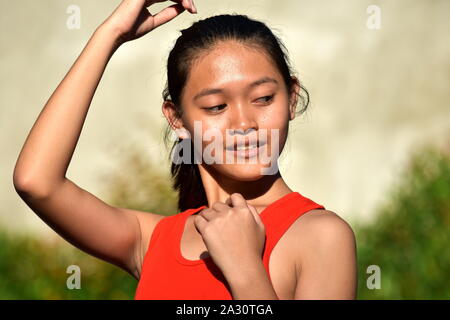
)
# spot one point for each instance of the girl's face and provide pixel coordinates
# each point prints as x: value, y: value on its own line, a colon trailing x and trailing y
x: 233, y: 95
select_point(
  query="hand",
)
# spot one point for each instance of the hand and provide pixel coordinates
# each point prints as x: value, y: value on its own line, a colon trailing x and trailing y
x: 232, y: 231
x: 132, y: 20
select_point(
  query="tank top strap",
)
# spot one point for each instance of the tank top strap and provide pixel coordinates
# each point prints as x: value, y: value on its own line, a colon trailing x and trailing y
x: 278, y: 219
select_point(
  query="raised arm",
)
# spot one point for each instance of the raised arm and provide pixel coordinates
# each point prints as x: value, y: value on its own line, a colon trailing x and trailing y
x: 111, y: 234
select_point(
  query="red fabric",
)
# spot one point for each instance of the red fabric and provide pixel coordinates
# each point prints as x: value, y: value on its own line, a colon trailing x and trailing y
x: 167, y: 275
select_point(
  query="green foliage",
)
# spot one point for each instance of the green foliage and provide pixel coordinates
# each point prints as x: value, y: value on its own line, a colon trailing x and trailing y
x: 410, y: 236
x: 36, y: 269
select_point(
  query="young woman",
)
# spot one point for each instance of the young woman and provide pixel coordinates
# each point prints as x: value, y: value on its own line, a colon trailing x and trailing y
x: 241, y: 232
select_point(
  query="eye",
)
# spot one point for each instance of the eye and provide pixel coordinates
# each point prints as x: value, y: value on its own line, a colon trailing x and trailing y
x: 216, y: 108
x: 268, y: 98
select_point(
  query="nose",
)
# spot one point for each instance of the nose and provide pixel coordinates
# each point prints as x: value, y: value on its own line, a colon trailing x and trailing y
x: 243, y: 120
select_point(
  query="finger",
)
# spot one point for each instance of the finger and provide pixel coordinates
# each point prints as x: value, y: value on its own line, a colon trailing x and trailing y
x: 205, y: 214
x: 150, y: 2
x: 255, y: 214
x: 194, y: 8
x: 237, y: 201
x: 220, y: 206
x: 187, y: 4
x: 145, y: 22
x: 166, y: 15
x: 200, y: 223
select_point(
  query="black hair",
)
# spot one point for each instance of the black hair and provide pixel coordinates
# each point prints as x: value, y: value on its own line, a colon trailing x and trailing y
x: 203, y: 35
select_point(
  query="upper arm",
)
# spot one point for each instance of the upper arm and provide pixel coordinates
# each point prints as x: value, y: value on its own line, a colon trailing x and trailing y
x: 106, y: 232
x: 327, y: 265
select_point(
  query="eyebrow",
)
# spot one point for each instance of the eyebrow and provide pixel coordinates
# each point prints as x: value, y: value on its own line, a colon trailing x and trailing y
x: 258, y: 82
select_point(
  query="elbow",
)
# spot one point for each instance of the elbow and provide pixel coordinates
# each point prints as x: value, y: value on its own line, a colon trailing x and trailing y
x: 20, y: 182
x: 26, y: 186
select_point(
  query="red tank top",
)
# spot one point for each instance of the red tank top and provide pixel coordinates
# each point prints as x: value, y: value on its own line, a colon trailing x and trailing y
x: 167, y: 275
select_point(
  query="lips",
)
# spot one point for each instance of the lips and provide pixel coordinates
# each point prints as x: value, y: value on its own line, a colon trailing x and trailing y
x: 248, y: 144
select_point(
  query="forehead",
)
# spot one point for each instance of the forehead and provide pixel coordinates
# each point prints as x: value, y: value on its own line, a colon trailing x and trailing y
x: 229, y: 63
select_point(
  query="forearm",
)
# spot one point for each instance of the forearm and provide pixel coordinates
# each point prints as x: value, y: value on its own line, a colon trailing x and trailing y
x: 251, y: 282
x: 48, y: 149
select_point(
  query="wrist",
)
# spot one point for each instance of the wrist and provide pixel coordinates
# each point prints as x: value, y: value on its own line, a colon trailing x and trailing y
x: 112, y: 33
x: 240, y: 273
x: 251, y: 282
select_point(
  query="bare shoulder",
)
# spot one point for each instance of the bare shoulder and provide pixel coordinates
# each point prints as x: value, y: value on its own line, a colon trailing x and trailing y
x: 147, y: 222
x: 322, y: 221
x: 324, y: 230
x: 325, y: 246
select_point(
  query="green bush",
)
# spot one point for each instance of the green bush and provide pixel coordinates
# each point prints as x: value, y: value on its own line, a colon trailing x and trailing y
x: 410, y: 236
x: 36, y: 269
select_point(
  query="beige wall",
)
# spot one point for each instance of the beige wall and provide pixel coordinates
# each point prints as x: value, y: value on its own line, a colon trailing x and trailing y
x: 376, y: 94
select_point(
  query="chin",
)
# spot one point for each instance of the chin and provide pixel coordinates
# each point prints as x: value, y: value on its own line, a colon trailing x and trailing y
x: 241, y: 172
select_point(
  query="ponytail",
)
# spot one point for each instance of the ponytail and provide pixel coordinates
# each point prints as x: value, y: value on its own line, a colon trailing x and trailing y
x: 186, y: 180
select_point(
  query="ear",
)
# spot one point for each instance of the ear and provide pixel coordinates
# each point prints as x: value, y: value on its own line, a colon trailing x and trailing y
x: 176, y: 123
x: 293, y: 97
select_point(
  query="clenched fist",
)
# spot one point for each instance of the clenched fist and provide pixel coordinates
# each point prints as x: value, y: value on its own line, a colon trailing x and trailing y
x: 232, y: 231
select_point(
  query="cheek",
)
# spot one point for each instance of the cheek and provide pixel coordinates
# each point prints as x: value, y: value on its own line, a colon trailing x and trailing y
x: 275, y: 119
x: 276, y: 122
x: 276, y: 114
x: 208, y: 132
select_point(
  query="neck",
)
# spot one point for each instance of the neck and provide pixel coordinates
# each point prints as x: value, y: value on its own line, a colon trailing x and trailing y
x: 258, y: 193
